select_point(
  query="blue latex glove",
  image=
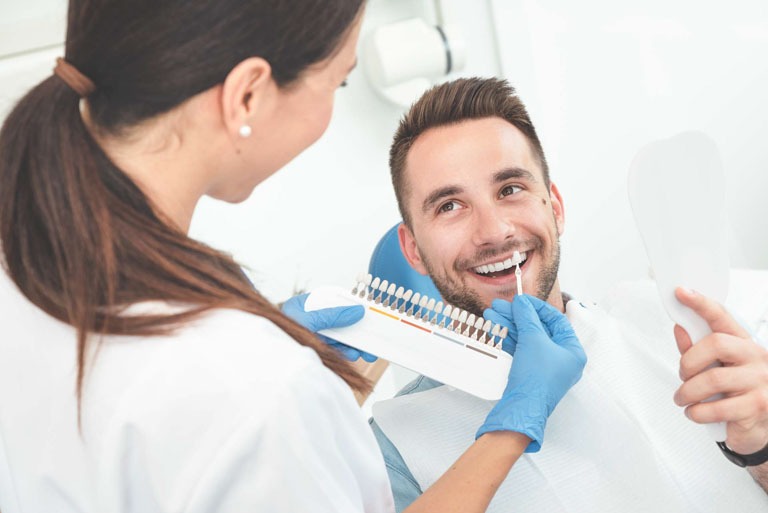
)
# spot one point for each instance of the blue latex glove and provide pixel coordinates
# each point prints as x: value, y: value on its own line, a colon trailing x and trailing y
x: 548, y: 361
x: 501, y: 313
x: 325, y: 318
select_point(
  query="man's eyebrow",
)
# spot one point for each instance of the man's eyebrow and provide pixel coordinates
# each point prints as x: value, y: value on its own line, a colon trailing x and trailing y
x: 438, y: 194
x: 513, y: 172
x: 354, y: 65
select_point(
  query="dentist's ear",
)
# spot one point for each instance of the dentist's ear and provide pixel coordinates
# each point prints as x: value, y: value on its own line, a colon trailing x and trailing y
x: 558, y: 208
x: 409, y: 249
x: 245, y: 92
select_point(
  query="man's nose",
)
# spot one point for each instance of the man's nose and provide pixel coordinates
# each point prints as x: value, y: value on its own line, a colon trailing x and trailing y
x: 492, y: 226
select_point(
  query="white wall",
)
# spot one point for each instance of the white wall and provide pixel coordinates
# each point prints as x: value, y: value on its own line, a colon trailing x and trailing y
x: 603, y: 78
x: 31, y: 37
x: 31, y: 25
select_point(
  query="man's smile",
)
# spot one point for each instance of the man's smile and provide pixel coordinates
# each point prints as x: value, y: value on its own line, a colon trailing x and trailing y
x: 498, y: 273
x: 500, y: 267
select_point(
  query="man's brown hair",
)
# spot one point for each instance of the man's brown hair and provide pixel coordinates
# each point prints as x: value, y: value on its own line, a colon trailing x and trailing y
x: 451, y: 103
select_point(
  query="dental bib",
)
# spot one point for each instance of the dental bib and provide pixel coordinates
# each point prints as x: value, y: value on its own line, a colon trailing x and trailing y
x: 616, y: 442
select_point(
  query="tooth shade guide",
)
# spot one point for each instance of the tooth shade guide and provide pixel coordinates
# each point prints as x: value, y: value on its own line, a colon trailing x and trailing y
x: 390, y: 294
x: 417, y: 342
x: 495, y: 333
x: 438, y: 310
x: 358, y: 284
x: 426, y: 310
x: 374, y: 286
x: 414, y: 302
x: 446, y: 316
x: 517, y: 259
x: 364, y: 290
x: 382, y: 289
x: 455, y: 315
x: 478, y: 327
x: 470, y: 325
x: 406, y: 298
x: 422, y: 307
x: 462, y: 320
x: 398, y: 296
x: 486, y: 331
x: 502, y: 335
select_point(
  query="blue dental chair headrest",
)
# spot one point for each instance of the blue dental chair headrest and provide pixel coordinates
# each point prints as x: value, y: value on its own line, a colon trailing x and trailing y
x: 388, y: 263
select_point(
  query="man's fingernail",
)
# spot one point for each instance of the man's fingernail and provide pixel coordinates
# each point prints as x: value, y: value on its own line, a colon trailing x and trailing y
x: 690, y: 292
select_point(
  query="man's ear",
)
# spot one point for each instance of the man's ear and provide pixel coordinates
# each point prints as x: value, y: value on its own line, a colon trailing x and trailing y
x: 409, y: 248
x: 245, y: 92
x: 558, y: 208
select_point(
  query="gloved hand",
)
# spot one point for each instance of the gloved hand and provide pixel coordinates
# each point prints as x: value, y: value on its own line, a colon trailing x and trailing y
x: 325, y: 318
x: 500, y: 313
x: 548, y: 361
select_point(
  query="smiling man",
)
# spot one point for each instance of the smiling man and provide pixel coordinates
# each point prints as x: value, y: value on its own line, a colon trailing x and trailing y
x: 475, y: 192
x: 473, y: 187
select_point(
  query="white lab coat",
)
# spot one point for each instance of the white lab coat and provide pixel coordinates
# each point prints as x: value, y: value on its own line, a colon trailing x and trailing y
x: 227, y: 415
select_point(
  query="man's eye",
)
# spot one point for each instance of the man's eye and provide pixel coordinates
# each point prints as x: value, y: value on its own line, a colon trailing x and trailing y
x: 344, y: 83
x: 447, y: 207
x: 510, y: 190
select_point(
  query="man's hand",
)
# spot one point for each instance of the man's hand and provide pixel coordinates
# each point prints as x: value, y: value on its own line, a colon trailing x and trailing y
x: 742, y: 378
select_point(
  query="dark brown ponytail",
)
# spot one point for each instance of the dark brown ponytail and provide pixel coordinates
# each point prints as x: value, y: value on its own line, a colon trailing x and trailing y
x: 79, y: 238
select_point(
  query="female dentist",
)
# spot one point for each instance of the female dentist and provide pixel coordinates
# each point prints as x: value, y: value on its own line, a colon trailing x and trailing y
x: 139, y: 369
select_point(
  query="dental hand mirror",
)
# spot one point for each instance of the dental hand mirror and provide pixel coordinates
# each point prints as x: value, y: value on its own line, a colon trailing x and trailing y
x: 677, y: 194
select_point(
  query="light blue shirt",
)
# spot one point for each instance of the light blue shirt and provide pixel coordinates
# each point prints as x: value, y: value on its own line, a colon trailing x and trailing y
x: 404, y: 486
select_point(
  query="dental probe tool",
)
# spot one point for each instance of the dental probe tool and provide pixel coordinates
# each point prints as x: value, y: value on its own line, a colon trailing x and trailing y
x: 518, y: 273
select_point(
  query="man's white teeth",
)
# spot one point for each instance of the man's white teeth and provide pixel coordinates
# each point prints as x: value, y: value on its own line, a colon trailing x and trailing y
x: 499, y: 266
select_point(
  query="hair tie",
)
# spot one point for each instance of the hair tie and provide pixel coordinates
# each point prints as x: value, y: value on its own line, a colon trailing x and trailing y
x: 78, y: 82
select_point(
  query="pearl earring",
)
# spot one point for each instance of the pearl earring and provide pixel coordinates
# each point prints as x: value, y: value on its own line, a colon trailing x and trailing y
x: 245, y: 131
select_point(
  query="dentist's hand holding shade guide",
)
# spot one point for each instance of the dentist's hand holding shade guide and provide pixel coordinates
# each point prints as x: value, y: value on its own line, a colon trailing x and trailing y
x: 440, y: 341
x: 677, y: 194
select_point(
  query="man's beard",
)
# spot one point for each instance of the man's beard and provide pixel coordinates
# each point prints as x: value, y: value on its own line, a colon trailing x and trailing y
x: 457, y: 294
